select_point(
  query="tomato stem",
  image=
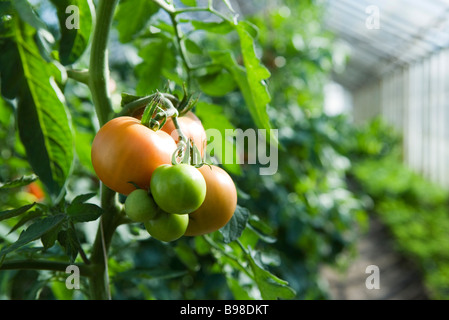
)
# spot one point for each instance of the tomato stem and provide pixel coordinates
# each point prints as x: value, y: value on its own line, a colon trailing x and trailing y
x: 98, y: 84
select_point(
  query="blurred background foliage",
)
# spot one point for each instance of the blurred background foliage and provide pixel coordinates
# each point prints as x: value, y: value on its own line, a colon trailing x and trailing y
x: 331, y: 175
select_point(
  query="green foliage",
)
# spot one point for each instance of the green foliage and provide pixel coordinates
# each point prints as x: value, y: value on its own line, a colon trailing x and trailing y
x: 414, y: 209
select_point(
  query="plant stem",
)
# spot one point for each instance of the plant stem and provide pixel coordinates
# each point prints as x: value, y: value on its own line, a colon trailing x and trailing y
x: 98, y: 83
x: 43, y: 265
x: 99, y: 66
x: 79, y: 75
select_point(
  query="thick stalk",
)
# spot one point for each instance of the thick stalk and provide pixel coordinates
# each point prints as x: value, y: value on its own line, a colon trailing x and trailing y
x: 98, y: 83
x: 99, y: 66
x: 43, y: 265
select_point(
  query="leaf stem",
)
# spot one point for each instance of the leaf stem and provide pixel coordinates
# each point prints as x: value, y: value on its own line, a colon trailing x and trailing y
x: 79, y: 75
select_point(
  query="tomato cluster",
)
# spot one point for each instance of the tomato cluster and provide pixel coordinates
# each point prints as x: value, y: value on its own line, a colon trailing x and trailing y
x: 171, y: 200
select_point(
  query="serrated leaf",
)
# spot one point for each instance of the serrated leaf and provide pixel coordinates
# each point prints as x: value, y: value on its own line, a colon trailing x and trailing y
x: 34, y: 232
x: 157, y: 55
x: 43, y: 121
x: 83, y: 197
x: 132, y: 16
x: 234, y: 228
x: 49, y: 238
x: 190, y: 3
x: 75, y: 24
x: 84, y: 212
x: 270, y: 286
x: 26, y: 218
x: 69, y: 241
x: 217, y: 84
x: 222, y: 27
x: 19, y: 182
x: 249, y: 79
x: 15, y: 212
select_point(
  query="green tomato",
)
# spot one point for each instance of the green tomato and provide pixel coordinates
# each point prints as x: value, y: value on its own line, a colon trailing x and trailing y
x: 139, y: 206
x: 167, y: 227
x: 178, y: 189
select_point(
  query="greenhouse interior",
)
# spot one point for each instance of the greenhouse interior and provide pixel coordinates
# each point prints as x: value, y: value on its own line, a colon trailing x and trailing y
x: 345, y: 195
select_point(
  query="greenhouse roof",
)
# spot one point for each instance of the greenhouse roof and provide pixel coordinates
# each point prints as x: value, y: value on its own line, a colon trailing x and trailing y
x: 385, y: 34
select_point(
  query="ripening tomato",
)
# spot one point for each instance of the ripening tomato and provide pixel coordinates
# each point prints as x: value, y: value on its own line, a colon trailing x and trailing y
x: 218, y: 206
x: 190, y: 125
x: 125, y: 151
x: 35, y: 189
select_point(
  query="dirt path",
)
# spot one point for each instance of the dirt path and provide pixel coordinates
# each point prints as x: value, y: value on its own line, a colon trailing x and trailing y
x: 398, y: 279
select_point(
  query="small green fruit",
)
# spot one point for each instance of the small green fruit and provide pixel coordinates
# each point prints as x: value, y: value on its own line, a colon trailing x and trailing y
x: 139, y: 206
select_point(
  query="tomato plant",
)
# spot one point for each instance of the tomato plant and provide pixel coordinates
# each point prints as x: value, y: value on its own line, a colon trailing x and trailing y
x: 64, y: 125
x: 178, y: 189
x: 125, y: 151
x: 218, y: 206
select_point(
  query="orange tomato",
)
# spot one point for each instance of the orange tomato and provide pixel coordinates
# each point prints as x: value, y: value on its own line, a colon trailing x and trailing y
x: 125, y: 151
x: 218, y: 206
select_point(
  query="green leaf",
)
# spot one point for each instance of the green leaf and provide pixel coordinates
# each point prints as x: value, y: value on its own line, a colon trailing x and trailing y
x: 11, y: 71
x: 190, y: 3
x: 128, y: 98
x: 26, y: 218
x: 27, y: 14
x: 212, y: 117
x: 19, y: 182
x: 83, y: 212
x: 248, y: 79
x: 192, y: 47
x: 34, y: 232
x: 69, y: 241
x: 187, y: 256
x: 43, y: 122
x: 83, y: 197
x: 270, y: 286
x: 132, y: 17
x: 234, y: 228
x: 157, y: 55
x: 15, y: 212
x: 238, y: 291
x: 218, y: 83
x: 75, y: 24
x: 222, y: 27
x: 49, y: 238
